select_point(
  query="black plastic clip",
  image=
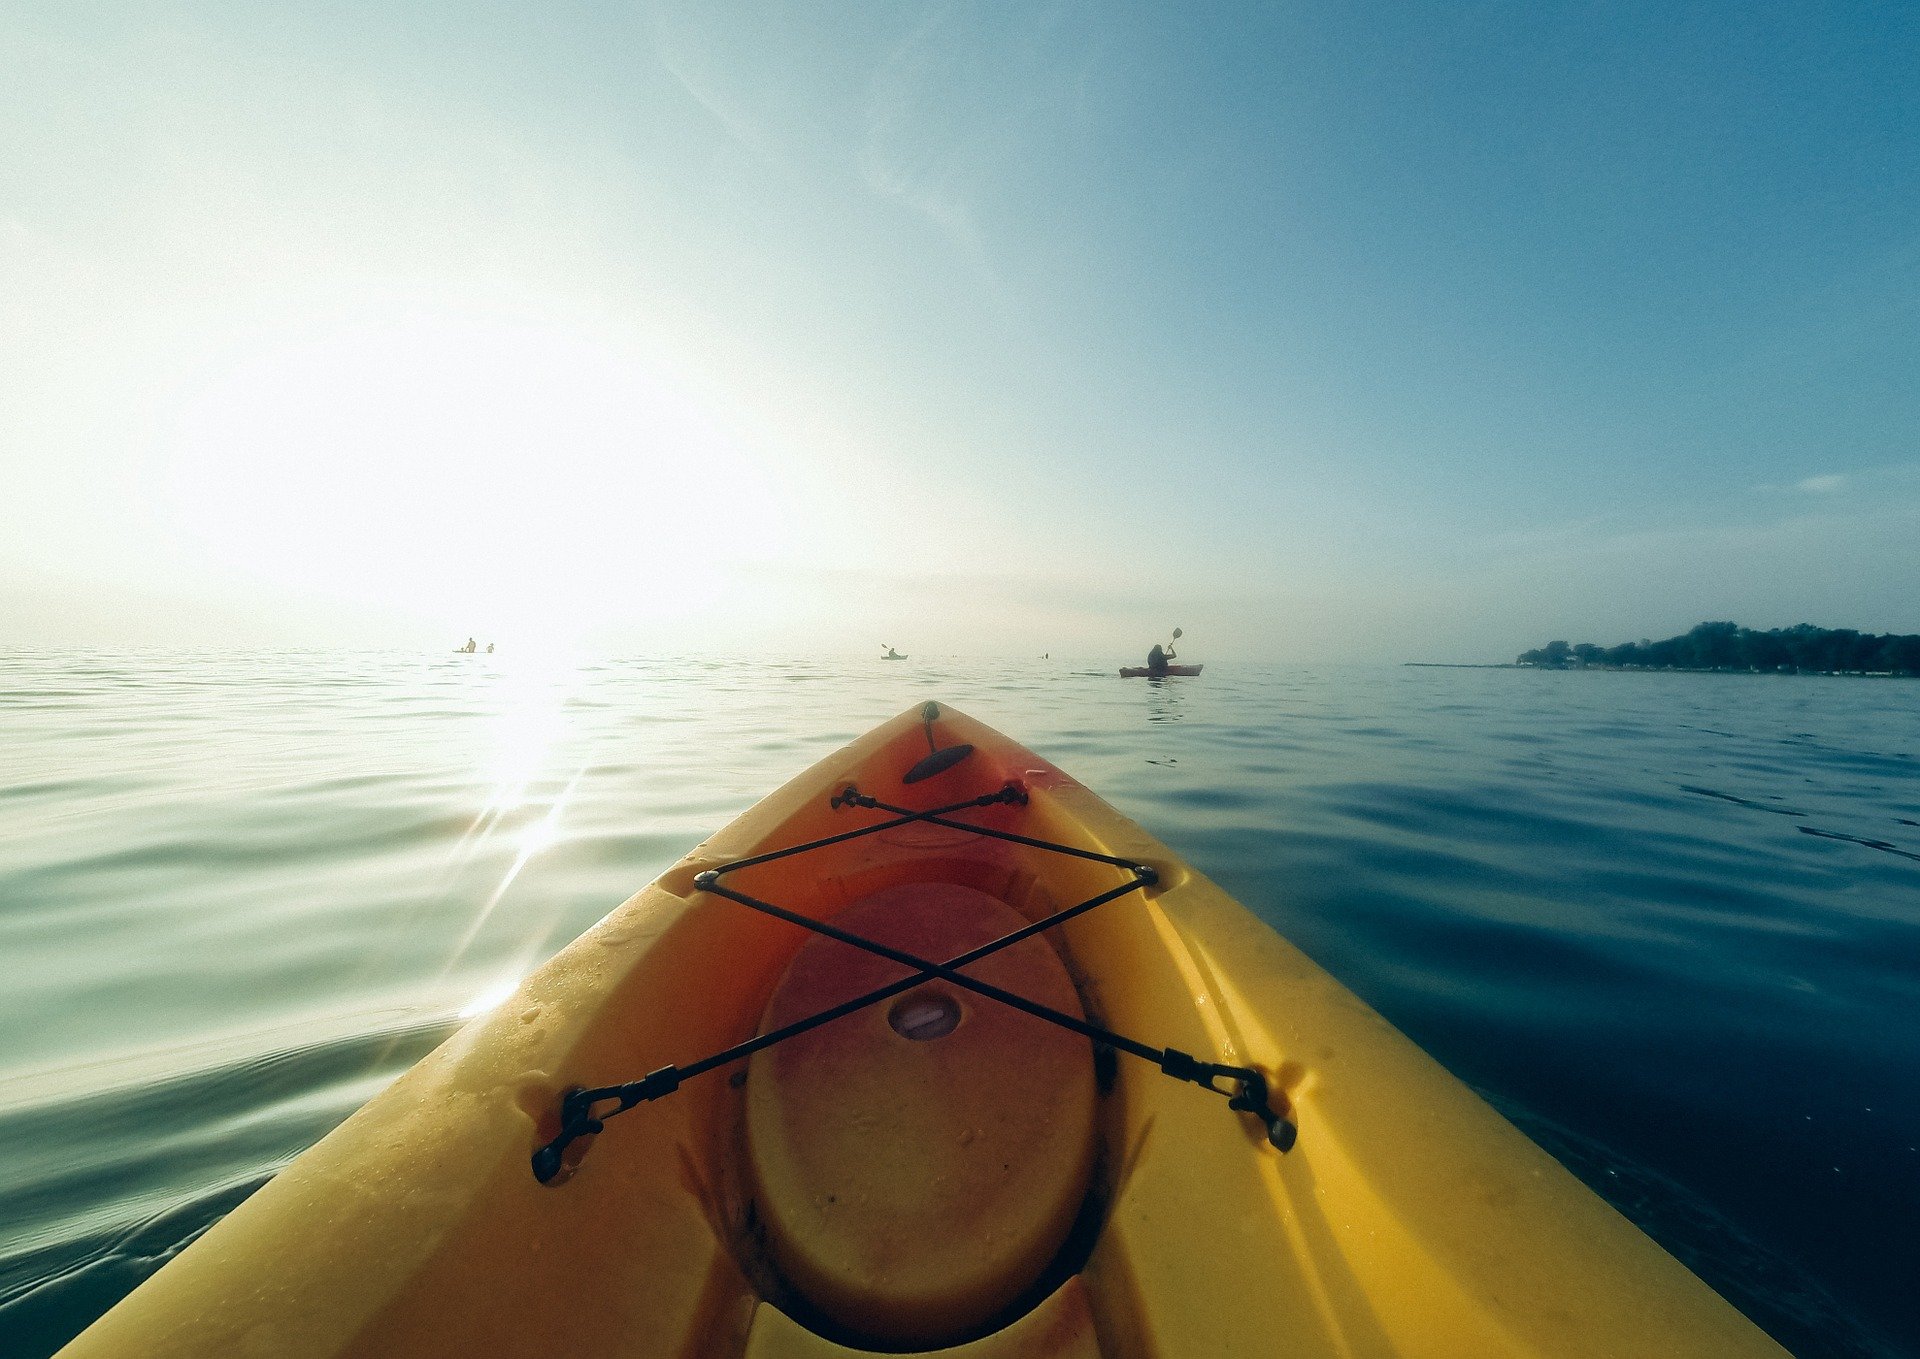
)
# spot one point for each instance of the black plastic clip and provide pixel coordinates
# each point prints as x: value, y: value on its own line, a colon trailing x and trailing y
x: 577, y: 1118
x: 1251, y: 1098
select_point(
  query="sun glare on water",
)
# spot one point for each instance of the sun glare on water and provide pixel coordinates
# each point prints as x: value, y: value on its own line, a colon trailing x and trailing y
x: 491, y: 998
x: 526, y: 776
x: 528, y: 691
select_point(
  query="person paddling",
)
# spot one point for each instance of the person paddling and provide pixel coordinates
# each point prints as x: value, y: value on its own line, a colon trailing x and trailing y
x: 1157, y: 658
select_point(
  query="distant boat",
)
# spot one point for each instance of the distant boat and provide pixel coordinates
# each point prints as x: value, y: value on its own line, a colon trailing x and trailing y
x: 1140, y: 671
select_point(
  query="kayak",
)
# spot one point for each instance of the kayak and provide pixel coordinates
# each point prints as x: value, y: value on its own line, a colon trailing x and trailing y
x: 1140, y: 671
x: 931, y: 1049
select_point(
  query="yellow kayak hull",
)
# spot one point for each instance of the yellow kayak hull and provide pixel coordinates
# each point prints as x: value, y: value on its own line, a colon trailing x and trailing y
x: 1408, y: 1219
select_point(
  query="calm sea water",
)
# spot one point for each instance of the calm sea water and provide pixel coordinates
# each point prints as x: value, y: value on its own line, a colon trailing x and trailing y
x: 1670, y: 925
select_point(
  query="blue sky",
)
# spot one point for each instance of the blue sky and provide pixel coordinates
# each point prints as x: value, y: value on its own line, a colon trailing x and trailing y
x: 1328, y: 334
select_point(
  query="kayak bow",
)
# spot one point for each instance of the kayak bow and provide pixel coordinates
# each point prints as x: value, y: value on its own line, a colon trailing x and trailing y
x: 981, y: 1149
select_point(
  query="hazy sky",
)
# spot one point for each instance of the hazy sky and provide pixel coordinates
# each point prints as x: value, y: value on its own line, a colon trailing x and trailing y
x: 1326, y: 332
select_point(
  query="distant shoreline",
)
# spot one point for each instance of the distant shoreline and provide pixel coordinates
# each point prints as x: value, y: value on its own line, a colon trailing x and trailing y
x: 1728, y: 648
x: 1662, y: 670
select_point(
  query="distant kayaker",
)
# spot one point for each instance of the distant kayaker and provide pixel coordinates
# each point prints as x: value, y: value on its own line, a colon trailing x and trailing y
x: 1157, y: 658
x: 489, y: 648
x: 892, y: 655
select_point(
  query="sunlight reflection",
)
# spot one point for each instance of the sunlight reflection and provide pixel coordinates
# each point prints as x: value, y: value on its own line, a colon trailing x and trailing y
x: 525, y: 738
x: 530, y: 693
x: 536, y: 837
x: 490, y: 998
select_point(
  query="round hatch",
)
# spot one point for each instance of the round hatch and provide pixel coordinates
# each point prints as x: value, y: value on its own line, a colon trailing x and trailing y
x: 920, y: 1161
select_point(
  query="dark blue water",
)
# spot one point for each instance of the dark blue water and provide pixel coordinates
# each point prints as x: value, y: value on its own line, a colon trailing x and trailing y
x: 1669, y: 924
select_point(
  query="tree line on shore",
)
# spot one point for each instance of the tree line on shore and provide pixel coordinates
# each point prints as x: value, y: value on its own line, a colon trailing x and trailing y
x: 1802, y: 648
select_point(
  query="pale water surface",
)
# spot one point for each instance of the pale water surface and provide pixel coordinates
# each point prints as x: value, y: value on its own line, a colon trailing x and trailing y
x: 1669, y: 924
